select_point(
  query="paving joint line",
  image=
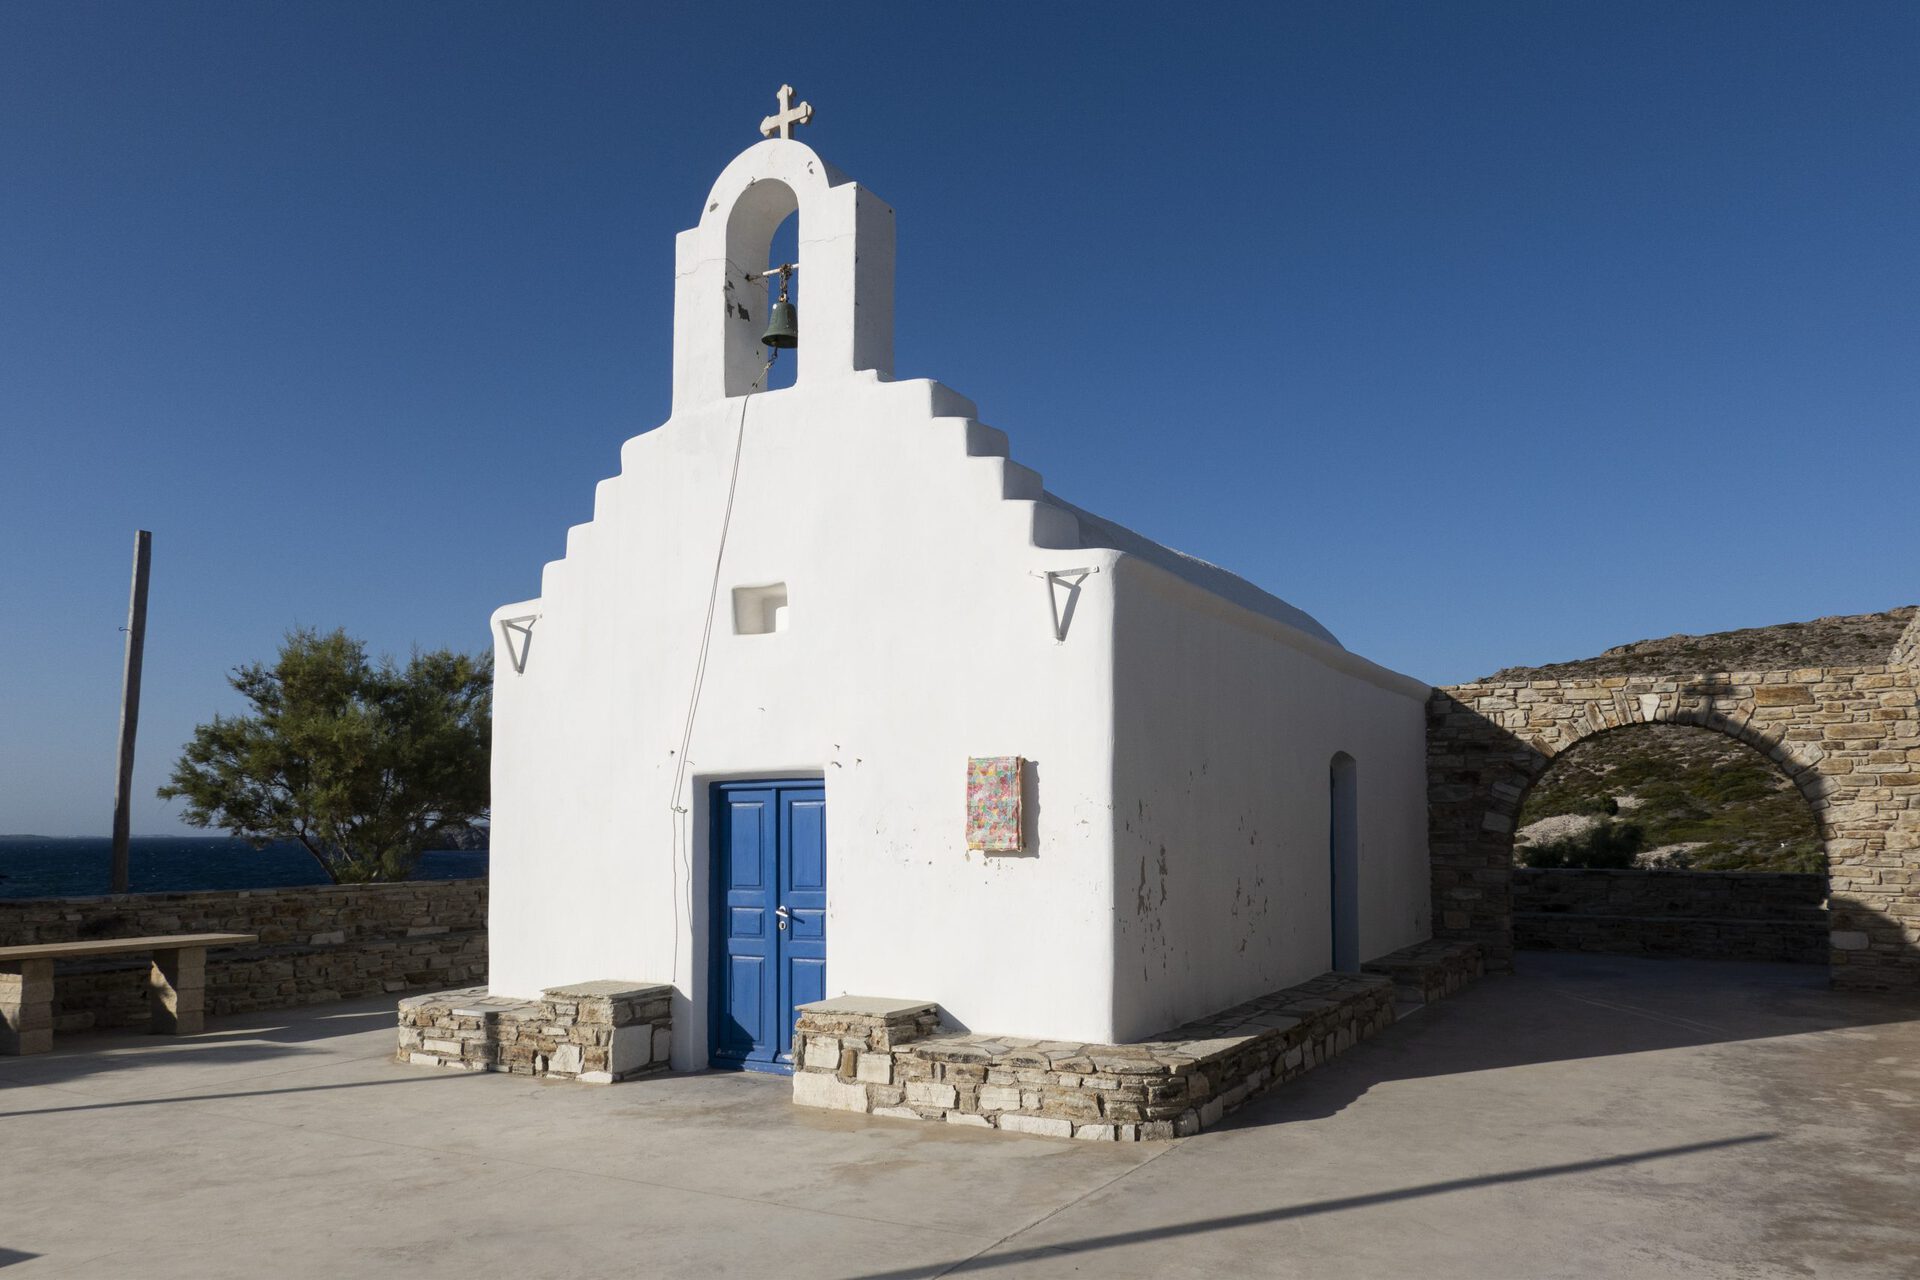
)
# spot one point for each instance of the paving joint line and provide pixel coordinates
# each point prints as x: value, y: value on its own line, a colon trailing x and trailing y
x: 520, y: 1162
x: 1051, y: 1214
x: 68, y: 1087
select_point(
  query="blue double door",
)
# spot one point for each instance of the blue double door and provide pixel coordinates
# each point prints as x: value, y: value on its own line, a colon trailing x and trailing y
x: 770, y: 918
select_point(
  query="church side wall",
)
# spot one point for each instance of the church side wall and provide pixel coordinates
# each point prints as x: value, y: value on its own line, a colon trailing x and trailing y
x: 919, y: 635
x: 1224, y: 735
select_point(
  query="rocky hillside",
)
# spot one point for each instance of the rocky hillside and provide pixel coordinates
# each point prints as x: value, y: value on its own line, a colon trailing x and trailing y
x: 1857, y: 640
x: 1668, y: 795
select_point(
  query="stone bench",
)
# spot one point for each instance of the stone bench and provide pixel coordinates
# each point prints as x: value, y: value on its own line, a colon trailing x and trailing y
x: 176, y: 984
x: 593, y: 1032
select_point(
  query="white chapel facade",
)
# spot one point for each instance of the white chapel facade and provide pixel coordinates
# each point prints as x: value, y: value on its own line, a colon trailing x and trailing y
x: 737, y: 734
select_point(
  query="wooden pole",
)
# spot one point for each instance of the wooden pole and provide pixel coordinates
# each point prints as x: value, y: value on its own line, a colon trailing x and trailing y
x: 130, y: 703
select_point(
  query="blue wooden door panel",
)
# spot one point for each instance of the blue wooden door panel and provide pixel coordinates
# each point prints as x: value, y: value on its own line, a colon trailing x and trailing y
x: 807, y: 982
x: 744, y: 956
x: 804, y: 814
x: 770, y: 914
x: 802, y: 874
x: 745, y: 1025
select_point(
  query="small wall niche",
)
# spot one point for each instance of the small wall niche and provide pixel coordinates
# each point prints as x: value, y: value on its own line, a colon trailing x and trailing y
x: 760, y: 611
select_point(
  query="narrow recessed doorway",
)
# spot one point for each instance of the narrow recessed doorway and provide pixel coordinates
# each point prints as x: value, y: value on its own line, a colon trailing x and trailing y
x: 769, y: 918
x: 1343, y: 863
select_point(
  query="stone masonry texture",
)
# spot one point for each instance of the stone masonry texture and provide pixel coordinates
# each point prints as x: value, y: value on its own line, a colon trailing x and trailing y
x: 593, y: 1032
x: 1845, y: 729
x: 318, y: 943
x: 1702, y: 915
x: 900, y: 1063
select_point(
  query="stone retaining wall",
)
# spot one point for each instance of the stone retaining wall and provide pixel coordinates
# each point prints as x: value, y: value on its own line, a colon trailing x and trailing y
x: 887, y: 1058
x: 1709, y: 915
x: 317, y: 943
x: 1732, y: 895
x: 594, y: 1032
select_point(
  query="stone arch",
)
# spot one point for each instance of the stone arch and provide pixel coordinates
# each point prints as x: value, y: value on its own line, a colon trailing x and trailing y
x: 1803, y: 773
x: 753, y: 218
x: 1848, y: 736
x: 846, y: 259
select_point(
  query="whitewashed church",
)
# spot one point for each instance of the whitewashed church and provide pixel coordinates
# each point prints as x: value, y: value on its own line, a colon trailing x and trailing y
x: 833, y: 697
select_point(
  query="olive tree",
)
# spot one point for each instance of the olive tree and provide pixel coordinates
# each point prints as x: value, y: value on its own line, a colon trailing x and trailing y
x: 360, y: 762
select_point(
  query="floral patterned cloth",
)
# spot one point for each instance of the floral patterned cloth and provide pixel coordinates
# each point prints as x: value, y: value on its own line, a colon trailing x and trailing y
x: 993, y: 803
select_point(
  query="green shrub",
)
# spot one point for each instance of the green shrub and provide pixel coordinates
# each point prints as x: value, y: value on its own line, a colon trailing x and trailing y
x: 1606, y: 845
x: 1804, y: 857
x: 364, y: 763
x: 1690, y: 786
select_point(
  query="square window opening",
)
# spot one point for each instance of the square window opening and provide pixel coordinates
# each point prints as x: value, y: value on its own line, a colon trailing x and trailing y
x: 759, y: 611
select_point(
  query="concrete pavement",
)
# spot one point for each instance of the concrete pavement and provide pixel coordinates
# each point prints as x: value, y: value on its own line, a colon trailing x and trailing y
x: 1586, y: 1117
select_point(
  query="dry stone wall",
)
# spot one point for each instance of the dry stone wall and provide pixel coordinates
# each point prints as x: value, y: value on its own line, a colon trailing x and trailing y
x: 318, y: 943
x: 1709, y: 915
x: 1848, y: 736
x: 1906, y: 651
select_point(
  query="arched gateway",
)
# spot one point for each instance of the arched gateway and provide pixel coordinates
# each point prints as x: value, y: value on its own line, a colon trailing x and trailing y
x: 1833, y: 703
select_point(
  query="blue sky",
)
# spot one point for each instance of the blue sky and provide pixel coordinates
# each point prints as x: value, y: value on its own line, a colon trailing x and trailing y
x: 1489, y: 334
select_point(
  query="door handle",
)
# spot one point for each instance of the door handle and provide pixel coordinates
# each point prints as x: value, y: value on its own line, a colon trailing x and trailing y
x: 782, y: 915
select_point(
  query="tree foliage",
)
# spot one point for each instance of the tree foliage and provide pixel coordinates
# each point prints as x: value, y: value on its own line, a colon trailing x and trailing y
x: 360, y: 762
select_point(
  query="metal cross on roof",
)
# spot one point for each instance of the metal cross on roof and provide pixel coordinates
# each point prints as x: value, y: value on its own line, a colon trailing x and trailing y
x: 780, y: 124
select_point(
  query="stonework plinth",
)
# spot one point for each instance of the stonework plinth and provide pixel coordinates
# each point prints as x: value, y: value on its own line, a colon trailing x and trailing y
x: 594, y: 1032
x: 890, y: 1058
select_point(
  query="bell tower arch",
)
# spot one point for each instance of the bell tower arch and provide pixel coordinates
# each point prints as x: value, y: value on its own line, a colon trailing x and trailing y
x: 845, y: 266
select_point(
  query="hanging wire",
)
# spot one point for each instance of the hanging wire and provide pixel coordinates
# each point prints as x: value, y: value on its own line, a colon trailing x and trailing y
x: 682, y: 835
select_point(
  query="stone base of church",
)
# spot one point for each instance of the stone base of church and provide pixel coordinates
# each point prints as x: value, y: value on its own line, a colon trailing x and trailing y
x: 594, y: 1032
x: 888, y: 1058
x: 1429, y: 971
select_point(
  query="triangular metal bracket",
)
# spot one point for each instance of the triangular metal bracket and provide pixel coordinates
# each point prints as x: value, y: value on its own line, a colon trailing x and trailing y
x: 1063, y: 602
x: 522, y: 627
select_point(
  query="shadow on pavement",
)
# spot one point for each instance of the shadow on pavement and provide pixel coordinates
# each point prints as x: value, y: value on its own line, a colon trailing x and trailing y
x: 234, y: 1093
x: 235, y: 1040
x: 1122, y: 1239
x: 1559, y: 1006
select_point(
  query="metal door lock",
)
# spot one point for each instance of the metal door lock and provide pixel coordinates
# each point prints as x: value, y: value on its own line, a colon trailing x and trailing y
x: 782, y: 915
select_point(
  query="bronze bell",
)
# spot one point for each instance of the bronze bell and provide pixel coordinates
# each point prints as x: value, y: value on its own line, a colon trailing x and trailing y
x: 783, y: 326
x: 783, y: 322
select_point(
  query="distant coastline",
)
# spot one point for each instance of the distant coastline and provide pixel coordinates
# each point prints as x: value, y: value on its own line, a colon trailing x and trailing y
x: 79, y: 866
x: 455, y: 837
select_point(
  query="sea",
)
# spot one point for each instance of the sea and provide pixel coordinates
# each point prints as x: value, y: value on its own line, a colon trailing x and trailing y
x: 49, y: 867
